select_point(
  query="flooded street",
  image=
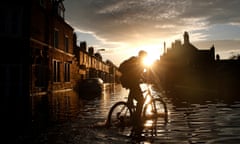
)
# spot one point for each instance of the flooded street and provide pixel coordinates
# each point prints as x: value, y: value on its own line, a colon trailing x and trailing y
x: 77, y: 121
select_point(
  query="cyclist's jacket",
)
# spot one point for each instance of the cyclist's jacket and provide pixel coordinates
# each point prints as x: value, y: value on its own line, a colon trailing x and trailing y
x: 131, y: 70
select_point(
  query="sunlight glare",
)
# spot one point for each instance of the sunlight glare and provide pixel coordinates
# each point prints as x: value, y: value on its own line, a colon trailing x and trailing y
x: 154, y: 53
x: 148, y: 123
x: 148, y: 61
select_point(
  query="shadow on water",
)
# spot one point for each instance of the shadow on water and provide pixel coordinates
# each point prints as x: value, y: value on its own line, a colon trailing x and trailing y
x: 201, y: 96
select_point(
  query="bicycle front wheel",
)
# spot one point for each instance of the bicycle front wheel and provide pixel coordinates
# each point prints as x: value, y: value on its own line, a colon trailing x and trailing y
x: 120, y: 118
x: 156, y: 109
x: 160, y: 109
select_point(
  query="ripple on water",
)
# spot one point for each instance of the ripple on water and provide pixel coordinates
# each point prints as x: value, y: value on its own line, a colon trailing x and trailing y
x: 210, y: 122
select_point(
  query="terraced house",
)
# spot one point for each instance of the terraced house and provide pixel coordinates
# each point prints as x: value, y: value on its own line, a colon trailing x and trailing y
x: 51, y: 44
x: 58, y: 64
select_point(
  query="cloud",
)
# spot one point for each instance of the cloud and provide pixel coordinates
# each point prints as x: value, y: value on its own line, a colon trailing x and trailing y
x: 134, y: 20
x: 137, y: 22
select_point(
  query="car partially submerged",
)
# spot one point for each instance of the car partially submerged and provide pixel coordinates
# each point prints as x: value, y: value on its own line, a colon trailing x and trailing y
x: 91, y: 88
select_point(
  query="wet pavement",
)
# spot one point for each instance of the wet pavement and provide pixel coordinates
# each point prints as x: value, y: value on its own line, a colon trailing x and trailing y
x: 78, y: 121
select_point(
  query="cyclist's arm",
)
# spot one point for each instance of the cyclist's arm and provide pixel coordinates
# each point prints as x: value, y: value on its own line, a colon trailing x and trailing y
x: 145, y: 77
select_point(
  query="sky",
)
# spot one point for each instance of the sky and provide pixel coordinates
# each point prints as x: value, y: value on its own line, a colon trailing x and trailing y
x: 123, y: 27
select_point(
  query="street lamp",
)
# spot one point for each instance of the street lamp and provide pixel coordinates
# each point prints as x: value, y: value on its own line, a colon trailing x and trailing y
x: 98, y: 55
x: 101, y: 50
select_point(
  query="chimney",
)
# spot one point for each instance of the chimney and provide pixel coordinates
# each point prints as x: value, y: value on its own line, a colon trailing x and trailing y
x: 164, y: 47
x: 186, y: 38
x: 83, y: 45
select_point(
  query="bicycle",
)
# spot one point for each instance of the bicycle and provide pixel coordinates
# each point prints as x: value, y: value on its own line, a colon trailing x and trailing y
x: 120, y: 115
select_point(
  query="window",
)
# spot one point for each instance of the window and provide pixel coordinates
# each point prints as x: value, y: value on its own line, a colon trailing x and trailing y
x: 66, y: 72
x: 66, y: 44
x: 55, y: 39
x: 56, y: 71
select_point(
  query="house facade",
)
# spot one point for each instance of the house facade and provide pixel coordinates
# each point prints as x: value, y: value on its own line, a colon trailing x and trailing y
x: 91, y: 64
x: 57, y: 64
x: 51, y: 44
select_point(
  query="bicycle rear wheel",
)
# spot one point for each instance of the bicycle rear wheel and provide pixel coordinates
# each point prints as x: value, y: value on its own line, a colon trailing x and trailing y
x: 120, y: 118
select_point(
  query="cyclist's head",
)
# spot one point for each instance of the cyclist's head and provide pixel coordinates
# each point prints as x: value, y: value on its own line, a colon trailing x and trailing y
x: 142, y: 54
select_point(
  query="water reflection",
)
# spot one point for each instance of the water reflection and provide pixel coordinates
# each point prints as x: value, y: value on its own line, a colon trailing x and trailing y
x: 201, y: 123
x: 63, y: 106
x: 210, y: 121
x: 98, y: 108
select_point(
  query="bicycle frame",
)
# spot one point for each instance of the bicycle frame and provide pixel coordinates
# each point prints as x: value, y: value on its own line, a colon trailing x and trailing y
x: 148, y: 97
x: 120, y: 112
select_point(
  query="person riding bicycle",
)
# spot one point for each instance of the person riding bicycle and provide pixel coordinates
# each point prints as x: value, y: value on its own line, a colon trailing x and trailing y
x: 131, y: 75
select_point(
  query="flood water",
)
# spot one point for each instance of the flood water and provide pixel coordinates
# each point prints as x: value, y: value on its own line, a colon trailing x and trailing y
x: 72, y: 120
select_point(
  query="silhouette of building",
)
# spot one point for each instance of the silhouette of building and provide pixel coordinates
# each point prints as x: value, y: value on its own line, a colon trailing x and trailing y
x: 195, y: 73
x: 227, y: 76
x: 184, y: 66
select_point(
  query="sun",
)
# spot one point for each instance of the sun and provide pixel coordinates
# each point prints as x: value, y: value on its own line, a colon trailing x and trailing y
x: 154, y: 53
x: 148, y: 61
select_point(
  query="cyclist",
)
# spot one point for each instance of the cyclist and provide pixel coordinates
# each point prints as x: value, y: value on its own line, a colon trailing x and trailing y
x: 132, y: 70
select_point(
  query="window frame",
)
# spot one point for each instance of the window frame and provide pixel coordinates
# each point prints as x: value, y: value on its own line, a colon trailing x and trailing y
x: 67, y: 72
x: 56, y: 70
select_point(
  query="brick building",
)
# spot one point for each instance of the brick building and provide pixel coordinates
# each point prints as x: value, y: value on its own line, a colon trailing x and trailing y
x: 91, y: 64
x: 51, y: 43
x: 58, y: 64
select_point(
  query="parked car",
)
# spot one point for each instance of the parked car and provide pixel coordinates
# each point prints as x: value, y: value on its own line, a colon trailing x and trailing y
x: 91, y: 88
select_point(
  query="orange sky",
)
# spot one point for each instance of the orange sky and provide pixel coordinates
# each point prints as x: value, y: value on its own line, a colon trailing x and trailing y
x: 123, y: 27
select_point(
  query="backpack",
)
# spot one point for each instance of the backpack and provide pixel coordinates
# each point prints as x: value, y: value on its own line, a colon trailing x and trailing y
x: 127, y: 72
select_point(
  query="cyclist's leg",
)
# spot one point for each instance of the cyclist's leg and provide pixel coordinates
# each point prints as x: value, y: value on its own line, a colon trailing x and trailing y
x: 138, y: 123
x: 137, y: 119
x: 130, y: 99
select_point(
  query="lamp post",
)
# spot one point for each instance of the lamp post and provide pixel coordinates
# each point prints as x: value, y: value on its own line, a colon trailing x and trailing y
x: 98, y: 55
